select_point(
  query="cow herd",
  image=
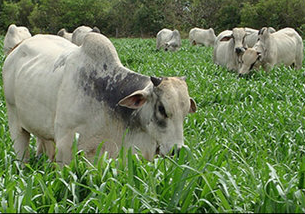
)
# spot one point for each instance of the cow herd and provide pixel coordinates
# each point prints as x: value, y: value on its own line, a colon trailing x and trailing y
x: 243, y: 49
x: 60, y: 86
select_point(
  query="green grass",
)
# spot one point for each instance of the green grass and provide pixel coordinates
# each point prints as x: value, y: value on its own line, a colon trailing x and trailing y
x: 244, y: 150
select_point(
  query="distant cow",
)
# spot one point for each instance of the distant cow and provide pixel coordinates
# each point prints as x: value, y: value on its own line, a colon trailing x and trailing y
x: 168, y: 40
x: 198, y: 36
x: 65, y: 34
x: 252, y: 36
x: 14, y: 36
x: 230, y: 45
x: 79, y: 34
x: 55, y: 89
x: 284, y: 46
x: 227, y: 51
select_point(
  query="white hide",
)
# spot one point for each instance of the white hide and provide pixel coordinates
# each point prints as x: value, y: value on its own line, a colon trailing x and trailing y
x: 14, y: 36
x: 168, y: 40
x: 198, y: 36
x: 49, y: 86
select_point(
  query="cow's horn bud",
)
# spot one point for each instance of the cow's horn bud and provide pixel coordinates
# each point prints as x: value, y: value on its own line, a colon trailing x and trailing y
x: 156, y: 80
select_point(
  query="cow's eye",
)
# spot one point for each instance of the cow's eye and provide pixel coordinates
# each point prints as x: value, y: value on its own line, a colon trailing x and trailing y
x: 162, y: 110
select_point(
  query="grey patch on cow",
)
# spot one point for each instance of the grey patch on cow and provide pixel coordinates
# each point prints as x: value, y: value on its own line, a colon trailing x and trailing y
x: 61, y: 32
x: 105, y: 66
x: 96, y: 30
x: 111, y: 89
x: 60, y: 62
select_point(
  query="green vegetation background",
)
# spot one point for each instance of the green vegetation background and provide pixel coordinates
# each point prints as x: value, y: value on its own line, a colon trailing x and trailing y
x: 144, y: 18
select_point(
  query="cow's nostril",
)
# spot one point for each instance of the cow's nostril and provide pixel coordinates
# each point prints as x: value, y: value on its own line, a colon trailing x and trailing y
x: 238, y: 50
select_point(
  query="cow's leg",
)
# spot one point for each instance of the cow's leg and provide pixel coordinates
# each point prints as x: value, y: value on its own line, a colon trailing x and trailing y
x: 21, y: 140
x: 64, y: 141
x: 47, y: 147
x: 19, y: 136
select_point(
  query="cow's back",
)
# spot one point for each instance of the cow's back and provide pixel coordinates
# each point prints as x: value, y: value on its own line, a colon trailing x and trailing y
x: 288, y: 45
x: 31, y: 78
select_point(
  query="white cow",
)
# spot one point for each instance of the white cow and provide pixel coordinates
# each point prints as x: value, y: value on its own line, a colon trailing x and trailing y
x: 198, y: 36
x: 282, y: 47
x: 14, y: 36
x: 228, y: 48
x: 79, y: 34
x: 252, y: 36
x: 55, y: 89
x: 230, y: 45
x: 65, y: 34
x: 168, y: 40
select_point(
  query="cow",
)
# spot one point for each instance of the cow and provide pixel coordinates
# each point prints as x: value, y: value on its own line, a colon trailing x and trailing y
x: 228, y: 49
x: 56, y: 90
x: 251, y: 59
x: 230, y: 45
x: 252, y: 36
x: 14, y: 36
x: 281, y: 47
x: 168, y: 40
x: 80, y: 32
x: 65, y: 34
x: 198, y: 36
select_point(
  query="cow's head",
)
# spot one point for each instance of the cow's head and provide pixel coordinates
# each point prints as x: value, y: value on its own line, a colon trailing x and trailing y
x: 249, y: 60
x: 161, y: 109
x: 174, y: 43
x: 171, y: 46
x: 238, y: 37
x: 263, y: 37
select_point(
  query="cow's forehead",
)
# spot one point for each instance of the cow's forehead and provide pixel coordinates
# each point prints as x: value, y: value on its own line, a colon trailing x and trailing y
x: 174, y: 92
x: 249, y: 56
x: 239, y: 32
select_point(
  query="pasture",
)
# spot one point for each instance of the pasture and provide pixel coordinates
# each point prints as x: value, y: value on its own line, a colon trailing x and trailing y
x: 244, y: 148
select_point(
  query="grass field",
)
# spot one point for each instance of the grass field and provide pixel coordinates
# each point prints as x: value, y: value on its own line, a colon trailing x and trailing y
x: 245, y: 148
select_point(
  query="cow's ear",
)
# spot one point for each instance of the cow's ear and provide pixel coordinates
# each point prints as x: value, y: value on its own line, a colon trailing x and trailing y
x: 193, y: 106
x: 156, y: 80
x: 226, y: 38
x: 135, y: 100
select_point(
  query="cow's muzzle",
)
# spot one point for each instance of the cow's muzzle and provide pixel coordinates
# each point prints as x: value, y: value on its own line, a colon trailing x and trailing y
x: 239, y: 50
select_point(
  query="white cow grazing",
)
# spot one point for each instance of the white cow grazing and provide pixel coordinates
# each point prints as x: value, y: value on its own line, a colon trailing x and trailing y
x: 79, y: 34
x: 14, y: 36
x: 230, y: 45
x: 198, y: 36
x: 168, y: 40
x: 282, y: 47
x: 55, y: 89
x: 65, y: 34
